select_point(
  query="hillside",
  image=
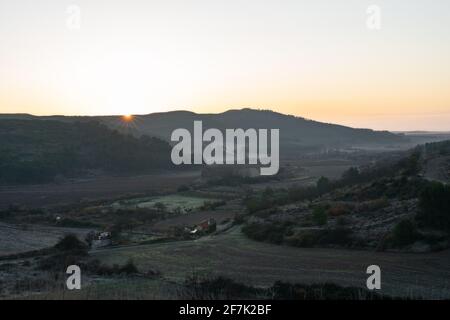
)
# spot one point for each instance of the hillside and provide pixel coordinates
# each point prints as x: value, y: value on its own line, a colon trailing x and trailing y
x: 385, y: 206
x: 294, y: 131
x: 35, y: 151
x: 436, y: 161
x: 296, y: 134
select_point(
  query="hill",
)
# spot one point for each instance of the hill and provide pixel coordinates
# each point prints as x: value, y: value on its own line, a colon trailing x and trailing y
x: 295, y: 132
x: 35, y: 151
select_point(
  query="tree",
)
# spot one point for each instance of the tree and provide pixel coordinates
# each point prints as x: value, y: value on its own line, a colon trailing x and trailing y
x: 351, y: 175
x: 70, y: 243
x: 404, y: 233
x: 320, y: 216
x: 323, y: 185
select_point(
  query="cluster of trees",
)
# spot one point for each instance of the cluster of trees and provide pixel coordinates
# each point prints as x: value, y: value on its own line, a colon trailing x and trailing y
x: 407, y: 170
x: 286, y: 233
x: 434, y: 214
x: 434, y: 207
x: 35, y: 151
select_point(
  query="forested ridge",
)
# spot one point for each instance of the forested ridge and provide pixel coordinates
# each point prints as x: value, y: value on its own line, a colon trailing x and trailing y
x: 36, y: 151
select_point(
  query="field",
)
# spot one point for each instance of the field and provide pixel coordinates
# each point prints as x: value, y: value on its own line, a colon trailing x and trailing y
x: 16, y: 238
x: 54, y: 194
x: 261, y: 264
x: 171, y: 203
x: 157, y: 209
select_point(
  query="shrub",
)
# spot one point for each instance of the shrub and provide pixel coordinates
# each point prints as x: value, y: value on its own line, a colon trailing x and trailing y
x: 270, y: 232
x: 323, y: 185
x: 311, y: 238
x: 319, y: 216
x: 303, y: 239
x: 95, y: 267
x: 338, y: 236
x: 70, y: 243
x: 352, y: 175
x: 404, y: 233
x: 129, y: 268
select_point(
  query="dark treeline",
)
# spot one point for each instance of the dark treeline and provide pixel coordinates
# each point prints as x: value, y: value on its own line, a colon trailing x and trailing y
x: 36, y: 151
x: 434, y: 207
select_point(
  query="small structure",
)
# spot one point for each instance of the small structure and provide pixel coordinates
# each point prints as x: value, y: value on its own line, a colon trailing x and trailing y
x: 101, y: 239
x: 206, y: 226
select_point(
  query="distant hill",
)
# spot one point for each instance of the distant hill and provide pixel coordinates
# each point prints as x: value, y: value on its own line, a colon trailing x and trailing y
x: 296, y: 134
x: 294, y: 131
x: 35, y: 151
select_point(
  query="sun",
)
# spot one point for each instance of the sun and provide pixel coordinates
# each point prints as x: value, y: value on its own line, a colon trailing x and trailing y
x: 127, y: 117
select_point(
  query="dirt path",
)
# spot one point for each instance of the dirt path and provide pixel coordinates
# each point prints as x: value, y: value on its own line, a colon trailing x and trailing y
x: 231, y: 254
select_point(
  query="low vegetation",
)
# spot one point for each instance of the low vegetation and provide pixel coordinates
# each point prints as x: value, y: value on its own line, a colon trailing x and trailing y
x: 212, y: 288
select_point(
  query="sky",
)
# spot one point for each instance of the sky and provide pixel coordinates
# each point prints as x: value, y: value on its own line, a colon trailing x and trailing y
x: 316, y: 59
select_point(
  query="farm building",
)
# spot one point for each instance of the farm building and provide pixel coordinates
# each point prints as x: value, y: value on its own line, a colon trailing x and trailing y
x: 208, y: 225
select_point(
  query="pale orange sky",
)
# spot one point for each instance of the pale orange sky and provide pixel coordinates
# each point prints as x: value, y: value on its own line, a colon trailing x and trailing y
x: 313, y: 59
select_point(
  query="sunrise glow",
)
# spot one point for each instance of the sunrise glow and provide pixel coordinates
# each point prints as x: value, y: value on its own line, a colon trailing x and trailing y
x: 312, y: 59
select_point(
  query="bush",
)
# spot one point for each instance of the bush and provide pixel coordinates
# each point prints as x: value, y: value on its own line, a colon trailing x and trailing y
x: 323, y: 185
x: 404, y: 233
x: 319, y: 216
x: 352, y: 175
x: 303, y: 239
x: 338, y: 236
x: 95, y: 267
x: 129, y: 268
x: 69, y: 250
x: 70, y: 243
x: 269, y: 232
x: 312, y: 238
